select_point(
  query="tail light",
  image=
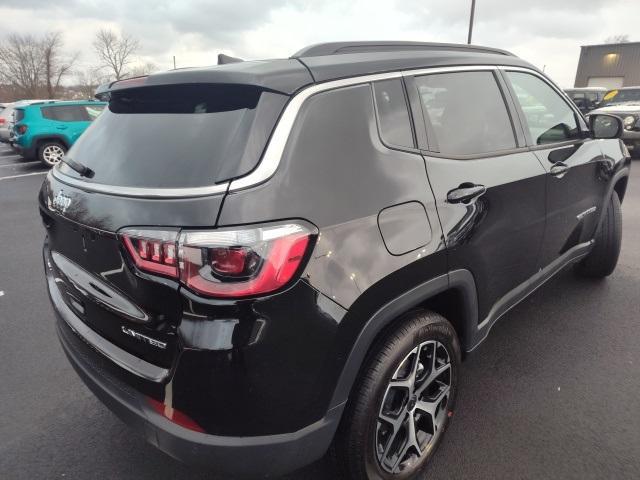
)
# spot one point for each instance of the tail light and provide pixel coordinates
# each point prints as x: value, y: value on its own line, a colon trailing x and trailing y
x: 21, y: 129
x: 152, y: 251
x: 226, y: 263
x: 2, y: 121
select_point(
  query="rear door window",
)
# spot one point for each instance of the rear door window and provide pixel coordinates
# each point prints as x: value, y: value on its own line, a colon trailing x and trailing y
x: 393, y: 113
x: 65, y: 113
x: 467, y: 113
x: 177, y: 136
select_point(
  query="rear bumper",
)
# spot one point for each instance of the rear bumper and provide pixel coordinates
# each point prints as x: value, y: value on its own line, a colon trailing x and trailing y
x: 259, y: 456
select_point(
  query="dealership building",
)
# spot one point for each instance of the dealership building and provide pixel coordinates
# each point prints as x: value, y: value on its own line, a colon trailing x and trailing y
x: 611, y: 65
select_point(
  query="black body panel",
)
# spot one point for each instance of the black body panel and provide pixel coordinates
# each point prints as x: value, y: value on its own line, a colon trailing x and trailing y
x: 267, y: 377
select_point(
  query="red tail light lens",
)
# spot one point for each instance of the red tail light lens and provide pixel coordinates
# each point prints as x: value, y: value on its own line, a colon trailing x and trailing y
x: 243, y: 262
x: 22, y: 129
x: 152, y: 250
x: 2, y: 121
x: 226, y: 262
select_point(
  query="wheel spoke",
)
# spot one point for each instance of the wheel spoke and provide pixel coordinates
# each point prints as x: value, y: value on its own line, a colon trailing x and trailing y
x: 411, y: 442
x: 413, y: 408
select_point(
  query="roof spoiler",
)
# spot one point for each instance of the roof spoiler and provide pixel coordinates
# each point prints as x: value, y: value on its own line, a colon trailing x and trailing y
x: 103, y: 90
x: 224, y: 59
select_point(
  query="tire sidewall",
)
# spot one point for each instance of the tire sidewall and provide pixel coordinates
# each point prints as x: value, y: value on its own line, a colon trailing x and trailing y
x: 442, y: 332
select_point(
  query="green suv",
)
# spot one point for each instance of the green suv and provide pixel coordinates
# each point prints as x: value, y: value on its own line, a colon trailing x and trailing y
x: 47, y: 130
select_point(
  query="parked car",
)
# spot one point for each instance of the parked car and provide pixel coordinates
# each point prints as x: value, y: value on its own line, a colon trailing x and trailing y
x: 304, y: 261
x: 586, y: 99
x: 2, y: 106
x: 47, y: 130
x: 625, y: 104
x: 7, y: 118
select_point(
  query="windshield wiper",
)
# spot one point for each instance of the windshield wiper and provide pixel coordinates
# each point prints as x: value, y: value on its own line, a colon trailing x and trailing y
x: 83, y: 170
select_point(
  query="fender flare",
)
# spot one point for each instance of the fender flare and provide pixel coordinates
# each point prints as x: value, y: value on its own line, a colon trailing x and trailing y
x: 461, y: 280
x: 619, y: 175
x: 53, y: 136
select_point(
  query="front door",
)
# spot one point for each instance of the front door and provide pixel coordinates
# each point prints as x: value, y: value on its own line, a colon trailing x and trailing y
x: 575, y: 166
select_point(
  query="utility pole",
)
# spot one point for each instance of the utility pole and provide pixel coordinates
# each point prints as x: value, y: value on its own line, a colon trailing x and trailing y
x: 473, y: 9
x: 174, y: 62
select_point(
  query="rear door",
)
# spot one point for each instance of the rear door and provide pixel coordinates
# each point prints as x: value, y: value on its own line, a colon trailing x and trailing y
x: 67, y: 120
x: 489, y: 189
x: 573, y: 162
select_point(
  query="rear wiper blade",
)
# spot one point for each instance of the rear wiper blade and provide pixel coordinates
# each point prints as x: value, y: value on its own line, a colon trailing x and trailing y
x: 83, y: 170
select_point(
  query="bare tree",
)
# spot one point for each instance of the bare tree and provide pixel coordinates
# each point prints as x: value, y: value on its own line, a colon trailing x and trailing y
x: 88, y: 81
x: 56, y: 66
x: 617, y: 39
x: 115, y: 52
x: 145, y: 68
x: 21, y: 64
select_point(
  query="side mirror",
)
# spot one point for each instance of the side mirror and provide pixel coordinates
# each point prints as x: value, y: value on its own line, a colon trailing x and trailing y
x: 605, y: 126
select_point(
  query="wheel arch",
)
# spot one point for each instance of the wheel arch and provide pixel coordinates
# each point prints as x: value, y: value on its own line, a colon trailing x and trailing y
x: 620, y: 186
x: 451, y: 295
x: 40, y: 139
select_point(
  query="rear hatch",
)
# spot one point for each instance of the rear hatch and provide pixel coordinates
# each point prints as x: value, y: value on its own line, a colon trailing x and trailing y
x: 158, y: 158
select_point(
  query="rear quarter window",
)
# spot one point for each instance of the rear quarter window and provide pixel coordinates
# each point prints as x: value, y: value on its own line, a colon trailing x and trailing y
x: 393, y: 113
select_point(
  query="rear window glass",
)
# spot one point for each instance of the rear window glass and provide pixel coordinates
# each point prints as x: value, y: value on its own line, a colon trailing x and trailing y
x: 18, y: 115
x: 178, y: 136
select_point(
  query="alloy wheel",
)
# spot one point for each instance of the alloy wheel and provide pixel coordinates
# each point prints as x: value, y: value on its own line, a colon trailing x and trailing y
x: 52, y: 154
x: 414, y: 407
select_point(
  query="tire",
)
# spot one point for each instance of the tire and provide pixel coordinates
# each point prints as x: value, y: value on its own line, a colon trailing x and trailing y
x: 366, y: 430
x: 50, y: 153
x: 602, y: 260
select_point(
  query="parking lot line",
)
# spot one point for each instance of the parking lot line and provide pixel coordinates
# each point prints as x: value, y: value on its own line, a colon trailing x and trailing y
x: 18, y: 164
x: 24, y: 175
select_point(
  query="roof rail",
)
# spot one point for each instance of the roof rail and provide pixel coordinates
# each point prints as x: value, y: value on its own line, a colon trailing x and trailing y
x: 337, y: 48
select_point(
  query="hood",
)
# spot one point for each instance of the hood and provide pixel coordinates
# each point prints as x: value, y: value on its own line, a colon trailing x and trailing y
x: 621, y: 108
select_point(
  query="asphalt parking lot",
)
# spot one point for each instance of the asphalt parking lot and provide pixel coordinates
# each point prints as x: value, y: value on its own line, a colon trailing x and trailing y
x: 554, y: 392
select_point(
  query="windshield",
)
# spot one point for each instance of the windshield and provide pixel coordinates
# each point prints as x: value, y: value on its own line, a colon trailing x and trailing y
x: 616, y: 97
x: 177, y: 136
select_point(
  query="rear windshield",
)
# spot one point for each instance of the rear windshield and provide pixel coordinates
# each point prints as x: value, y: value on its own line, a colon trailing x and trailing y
x: 178, y: 136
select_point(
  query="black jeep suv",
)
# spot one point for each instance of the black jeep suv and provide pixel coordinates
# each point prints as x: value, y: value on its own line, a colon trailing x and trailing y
x: 255, y: 262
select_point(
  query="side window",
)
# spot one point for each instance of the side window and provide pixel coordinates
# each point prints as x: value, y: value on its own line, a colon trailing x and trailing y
x: 65, y: 113
x: 549, y: 118
x: 467, y: 112
x: 393, y: 113
x: 93, y: 111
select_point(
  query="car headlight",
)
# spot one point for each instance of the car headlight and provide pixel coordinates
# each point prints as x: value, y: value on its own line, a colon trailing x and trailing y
x: 629, y: 122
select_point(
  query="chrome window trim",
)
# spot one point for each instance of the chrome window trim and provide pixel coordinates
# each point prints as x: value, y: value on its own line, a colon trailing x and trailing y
x: 140, y: 192
x: 273, y: 153
x: 270, y: 161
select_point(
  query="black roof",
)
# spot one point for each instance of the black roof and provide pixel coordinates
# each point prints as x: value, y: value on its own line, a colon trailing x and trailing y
x: 329, y: 61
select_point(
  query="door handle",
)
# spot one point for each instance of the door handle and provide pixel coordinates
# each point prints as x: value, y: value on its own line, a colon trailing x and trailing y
x: 465, y: 193
x: 559, y: 169
x: 61, y: 127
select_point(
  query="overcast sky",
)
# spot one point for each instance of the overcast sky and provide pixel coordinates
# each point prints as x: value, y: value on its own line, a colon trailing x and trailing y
x: 544, y: 32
